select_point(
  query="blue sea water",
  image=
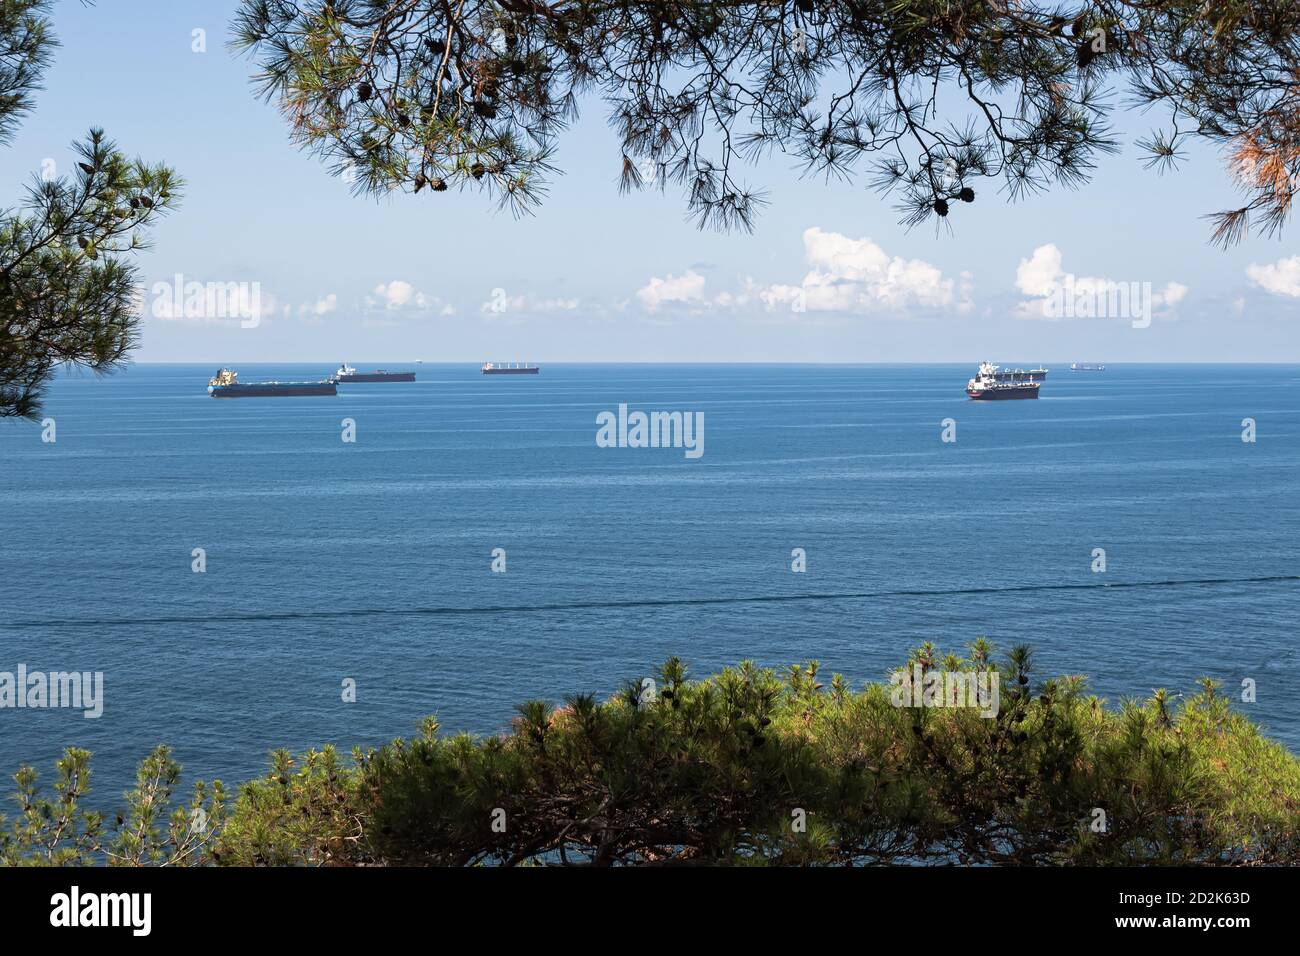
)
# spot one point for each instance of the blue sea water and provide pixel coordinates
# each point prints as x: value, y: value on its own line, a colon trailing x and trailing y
x: 372, y: 560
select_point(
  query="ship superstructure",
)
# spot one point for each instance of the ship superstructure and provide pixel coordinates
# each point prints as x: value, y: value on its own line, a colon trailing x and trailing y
x: 1019, y: 374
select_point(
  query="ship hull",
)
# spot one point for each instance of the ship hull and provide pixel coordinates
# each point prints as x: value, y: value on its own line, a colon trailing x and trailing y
x: 511, y: 371
x: 378, y: 377
x: 1006, y: 393
x: 277, y: 390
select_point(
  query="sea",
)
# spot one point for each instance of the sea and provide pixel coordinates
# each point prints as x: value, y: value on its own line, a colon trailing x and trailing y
x: 246, y: 579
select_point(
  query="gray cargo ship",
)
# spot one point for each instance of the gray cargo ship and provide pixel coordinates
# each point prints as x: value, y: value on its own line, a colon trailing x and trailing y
x: 347, y: 373
x: 490, y: 368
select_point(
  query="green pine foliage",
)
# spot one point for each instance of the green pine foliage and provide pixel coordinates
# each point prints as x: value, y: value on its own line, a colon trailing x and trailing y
x: 748, y: 766
x: 68, y: 287
x: 58, y: 830
x: 932, y: 101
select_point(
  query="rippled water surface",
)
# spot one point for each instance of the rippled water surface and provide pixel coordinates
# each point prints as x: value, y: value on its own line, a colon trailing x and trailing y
x: 328, y: 560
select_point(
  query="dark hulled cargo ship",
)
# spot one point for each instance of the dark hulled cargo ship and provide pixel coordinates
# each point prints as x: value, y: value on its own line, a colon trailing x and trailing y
x: 490, y: 368
x: 347, y: 373
x: 226, y: 384
x: 993, y: 393
x: 985, y: 386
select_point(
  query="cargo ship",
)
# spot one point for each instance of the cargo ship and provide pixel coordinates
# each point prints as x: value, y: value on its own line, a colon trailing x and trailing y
x: 226, y: 384
x: 1019, y: 374
x: 1076, y: 367
x: 985, y: 386
x: 347, y: 373
x: 490, y: 368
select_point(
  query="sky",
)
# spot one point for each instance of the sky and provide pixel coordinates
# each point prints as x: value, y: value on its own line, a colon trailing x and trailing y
x: 828, y: 275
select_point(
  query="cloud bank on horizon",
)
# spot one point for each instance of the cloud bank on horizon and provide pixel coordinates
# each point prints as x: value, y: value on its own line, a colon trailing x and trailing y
x: 845, y: 275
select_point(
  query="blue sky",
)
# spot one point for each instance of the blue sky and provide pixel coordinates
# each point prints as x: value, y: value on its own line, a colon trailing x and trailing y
x: 598, y: 276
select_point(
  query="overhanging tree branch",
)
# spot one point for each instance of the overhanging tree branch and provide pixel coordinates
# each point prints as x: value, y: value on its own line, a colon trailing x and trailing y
x: 473, y: 93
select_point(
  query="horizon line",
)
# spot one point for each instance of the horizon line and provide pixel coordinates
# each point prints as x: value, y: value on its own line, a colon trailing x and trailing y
x: 478, y: 362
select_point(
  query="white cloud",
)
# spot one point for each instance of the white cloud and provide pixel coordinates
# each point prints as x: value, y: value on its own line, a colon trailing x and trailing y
x: 501, y: 302
x: 402, y: 301
x: 1174, y: 293
x: 1053, y: 293
x: 777, y: 295
x: 858, y: 276
x: 1041, y: 273
x: 322, y: 306
x: 1280, y: 278
x: 846, y: 275
x: 687, y: 289
x: 399, y: 294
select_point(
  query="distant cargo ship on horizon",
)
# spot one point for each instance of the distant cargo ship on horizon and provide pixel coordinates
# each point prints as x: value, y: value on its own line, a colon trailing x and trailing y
x: 346, y: 373
x: 226, y: 384
x: 1076, y: 367
x: 490, y: 368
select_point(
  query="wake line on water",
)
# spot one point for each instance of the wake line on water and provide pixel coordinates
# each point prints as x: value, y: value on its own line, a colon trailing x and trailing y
x: 622, y: 605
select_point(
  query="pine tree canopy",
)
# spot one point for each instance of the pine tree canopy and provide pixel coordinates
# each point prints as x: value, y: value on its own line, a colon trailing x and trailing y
x: 927, y: 99
x: 749, y: 766
x: 67, y: 285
